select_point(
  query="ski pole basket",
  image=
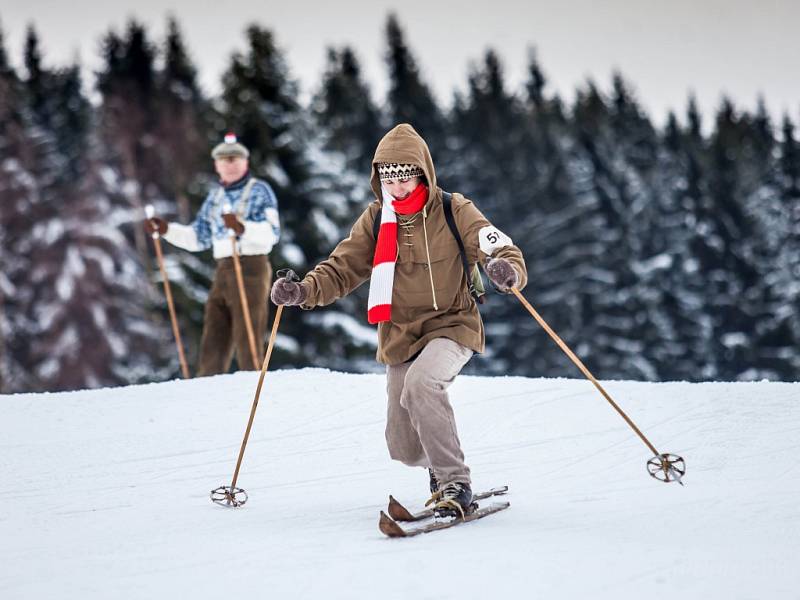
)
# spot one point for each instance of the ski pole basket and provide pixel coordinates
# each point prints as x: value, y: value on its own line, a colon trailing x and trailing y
x: 226, y: 495
x: 667, y: 467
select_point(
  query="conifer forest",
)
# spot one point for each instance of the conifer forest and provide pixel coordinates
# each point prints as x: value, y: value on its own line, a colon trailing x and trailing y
x: 657, y: 252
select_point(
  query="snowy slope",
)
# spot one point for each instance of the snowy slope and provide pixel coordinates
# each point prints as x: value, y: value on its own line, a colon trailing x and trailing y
x: 105, y: 493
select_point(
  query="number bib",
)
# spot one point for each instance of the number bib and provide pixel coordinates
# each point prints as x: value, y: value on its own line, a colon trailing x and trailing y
x: 491, y: 238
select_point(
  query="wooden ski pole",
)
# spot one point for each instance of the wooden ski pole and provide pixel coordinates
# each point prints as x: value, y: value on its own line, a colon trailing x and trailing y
x: 264, y: 367
x: 248, y: 323
x: 582, y: 367
x: 168, y: 292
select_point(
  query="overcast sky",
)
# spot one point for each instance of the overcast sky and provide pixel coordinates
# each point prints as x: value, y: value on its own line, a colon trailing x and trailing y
x: 665, y: 48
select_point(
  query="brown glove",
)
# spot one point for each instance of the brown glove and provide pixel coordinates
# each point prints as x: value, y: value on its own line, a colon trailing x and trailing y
x: 231, y: 222
x: 501, y: 273
x: 155, y: 225
x: 288, y: 292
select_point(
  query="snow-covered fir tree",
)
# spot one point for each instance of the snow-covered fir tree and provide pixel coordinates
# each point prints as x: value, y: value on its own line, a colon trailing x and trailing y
x: 769, y: 353
x: 75, y: 284
x: 772, y: 201
x: 345, y: 111
x: 410, y: 99
x: 183, y: 133
x: 724, y: 245
x: 259, y: 102
x: 490, y: 164
x: 545, y: 231
x: 17, y: 191
x: 127, y: 118
x: 678, y: 327
x: 594, y: 259
x: 624, y: 153
x: 347, y: 125
x: 182, y: 126
x: 785, y: 281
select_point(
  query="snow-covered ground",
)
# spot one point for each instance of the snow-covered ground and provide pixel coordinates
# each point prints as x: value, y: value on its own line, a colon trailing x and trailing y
x: 105, y: 492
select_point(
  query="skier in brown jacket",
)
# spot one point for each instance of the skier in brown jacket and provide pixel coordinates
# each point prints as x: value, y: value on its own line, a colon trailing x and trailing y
x: 428, y: 322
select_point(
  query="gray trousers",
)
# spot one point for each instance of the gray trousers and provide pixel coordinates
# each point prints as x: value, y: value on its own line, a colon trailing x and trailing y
x: 420, y: 425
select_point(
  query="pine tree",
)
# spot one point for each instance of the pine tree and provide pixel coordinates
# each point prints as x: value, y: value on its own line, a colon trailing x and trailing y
x: 6, y: 75
x: 6, y: 71
x: 783, y: 282
x: 127, y: 84
x: 410, y: 100
x: 550, y: 230
x: 259, y: 103
x: 37, y: 91
x: 181, y: 128
x: 16, y: 194
x: 347, y: 128
x: 77, y: 319
x: 344, y: 110
x: 491, y: 161
x: 601, y: 238
x: 490, y: 164
x: 639, y: 321
x: 769, y: 355
x: 34, y: 176
x: 678, y: 328
x: 690, y: 354
x: 92, y: 327
x: 770, y: 352
x: 724, y: 245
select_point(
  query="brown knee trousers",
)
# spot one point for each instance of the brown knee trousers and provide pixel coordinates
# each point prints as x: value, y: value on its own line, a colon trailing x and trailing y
x: 420, y: 425
x: 223, y: 328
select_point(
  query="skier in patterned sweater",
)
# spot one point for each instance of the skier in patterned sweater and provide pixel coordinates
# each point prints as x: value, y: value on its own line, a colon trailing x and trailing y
x: 247, y: 206
x: 419, y: 295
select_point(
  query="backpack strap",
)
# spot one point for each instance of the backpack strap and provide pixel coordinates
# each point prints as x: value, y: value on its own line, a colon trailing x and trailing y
x: 447, y: 204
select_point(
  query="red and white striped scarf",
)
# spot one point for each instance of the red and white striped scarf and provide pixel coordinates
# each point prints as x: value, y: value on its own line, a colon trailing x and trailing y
x: 379, y: 305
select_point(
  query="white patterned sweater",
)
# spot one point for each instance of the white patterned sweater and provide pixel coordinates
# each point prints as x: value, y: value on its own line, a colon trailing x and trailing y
x: 258, y: 212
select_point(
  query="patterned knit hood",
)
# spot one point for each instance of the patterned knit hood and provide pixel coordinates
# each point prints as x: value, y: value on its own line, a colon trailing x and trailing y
x: 403, y: 145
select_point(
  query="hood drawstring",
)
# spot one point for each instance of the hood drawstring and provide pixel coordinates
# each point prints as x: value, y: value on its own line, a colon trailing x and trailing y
x: 428, y: 253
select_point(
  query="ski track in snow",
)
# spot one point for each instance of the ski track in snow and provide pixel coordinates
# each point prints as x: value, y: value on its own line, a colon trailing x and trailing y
x: 106, y: 492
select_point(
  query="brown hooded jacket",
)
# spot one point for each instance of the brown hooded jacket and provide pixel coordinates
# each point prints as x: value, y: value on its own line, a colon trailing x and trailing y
x: 415, y: 321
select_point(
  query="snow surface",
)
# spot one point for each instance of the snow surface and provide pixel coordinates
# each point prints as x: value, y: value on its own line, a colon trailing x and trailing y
x: 105, y: 492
